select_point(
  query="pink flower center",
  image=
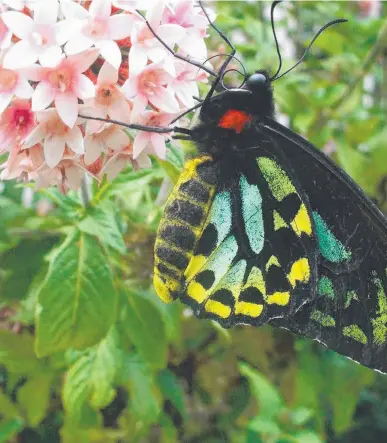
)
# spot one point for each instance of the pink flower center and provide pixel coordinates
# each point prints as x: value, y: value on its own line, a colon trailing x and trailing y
x: 22, y: 118
x: 106, y: 95
x: 149, y: 82
x: 61, y: 79
x: 8, y: 80
x: 96, y: 29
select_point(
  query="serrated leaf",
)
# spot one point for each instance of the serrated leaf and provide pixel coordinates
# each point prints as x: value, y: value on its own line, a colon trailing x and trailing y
x: 77, y: 300
x: 269, y: 399
x: 17, y: 352
x: 101, y: 221
x: 34, y: 397
x: 90, y: 381
x: 145, y: 328
x: 105, y: 365
x: 171, y: 390
x: 76, y: 387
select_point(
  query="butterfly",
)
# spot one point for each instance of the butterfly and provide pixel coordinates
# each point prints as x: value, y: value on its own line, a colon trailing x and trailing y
x: 261, y: 227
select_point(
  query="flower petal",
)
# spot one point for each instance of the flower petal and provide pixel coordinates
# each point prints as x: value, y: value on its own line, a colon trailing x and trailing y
x: 108, y: 74
x: 93, y: 149
x: 67, y: 107
x: 78, y: 44
x: 120, y: 26
x: 120, y: 111
x: 74, y: 141
x: 163, y: 100
x: 42, y: 97
x: 36, y: 136
x: 74, y: 177
x: 53, y: 150
x: 194, y: 46
x: 171, y: 34
x: 84, y: 88
x: 51, y: 57
x: 110, y: 52
x: 20, y: 24
x: 139, y: 106
x: 100, y: 9
x: 72, y: 9
x: 140, y: 143
x: 5, y: 100
x: 20, y: 55
x: 137, y: 60
x: 82, y: 61
x: 23, y: 88
x: 46, y: 13
x: 66, y: 29
x: 158, y: 142
x: 117, y: 140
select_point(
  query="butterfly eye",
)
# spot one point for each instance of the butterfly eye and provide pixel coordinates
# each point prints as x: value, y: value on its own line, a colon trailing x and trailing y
x: 256, y: 80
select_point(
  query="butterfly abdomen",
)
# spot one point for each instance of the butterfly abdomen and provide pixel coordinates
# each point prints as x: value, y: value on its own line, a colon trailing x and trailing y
x: 185, y: 214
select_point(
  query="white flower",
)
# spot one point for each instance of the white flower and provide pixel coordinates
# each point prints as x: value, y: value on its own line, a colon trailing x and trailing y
x: 97, y: 27
x: 40, y: 37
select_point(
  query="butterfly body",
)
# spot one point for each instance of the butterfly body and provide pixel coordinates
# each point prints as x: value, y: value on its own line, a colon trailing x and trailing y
x: 273, y: 232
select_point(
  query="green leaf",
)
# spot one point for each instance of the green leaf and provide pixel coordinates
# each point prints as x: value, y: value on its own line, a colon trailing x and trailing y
x: 171, y: 170
x: 77, y: 300
x: 170, y: 388
x: 34, y: 397
x: 144, y: 398
x: 269, y: 400
x: 102, y: 222
x: 76, y: 386
x: 22, y: 263
x: 9, y: 429
x: 91, y: 379
x: 8, y: 409
x: 306, y: 437
x: 105, y: 365
x: 146, y: 330
x: 17, y: 352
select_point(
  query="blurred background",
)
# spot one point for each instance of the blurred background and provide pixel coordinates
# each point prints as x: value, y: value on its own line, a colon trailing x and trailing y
x: 160, y: 374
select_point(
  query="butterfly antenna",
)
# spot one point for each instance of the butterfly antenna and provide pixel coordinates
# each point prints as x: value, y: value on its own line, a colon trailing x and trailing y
x: 333, y: 22
x: 222, y: 69
x: 274, y: 4
x: 174, y: 53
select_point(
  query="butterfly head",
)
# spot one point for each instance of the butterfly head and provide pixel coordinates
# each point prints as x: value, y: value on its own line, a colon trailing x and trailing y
x: 232, y: 112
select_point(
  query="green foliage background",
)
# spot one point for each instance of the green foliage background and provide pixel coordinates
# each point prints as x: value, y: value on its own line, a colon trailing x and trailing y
x: 89, y: 354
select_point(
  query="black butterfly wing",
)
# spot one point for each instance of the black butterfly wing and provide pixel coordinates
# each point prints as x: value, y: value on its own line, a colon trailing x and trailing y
x: 349, y: 313
x: 240, y: 272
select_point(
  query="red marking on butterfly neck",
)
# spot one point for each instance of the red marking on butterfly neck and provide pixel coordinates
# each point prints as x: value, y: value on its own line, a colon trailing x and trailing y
x: 234, y: 119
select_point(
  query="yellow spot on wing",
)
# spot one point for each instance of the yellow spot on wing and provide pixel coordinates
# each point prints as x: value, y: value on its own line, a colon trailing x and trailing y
x: 194, y: 266
x: 301, y: 222
x: 250, y: 309
x: 163, y: 289
x: 217, y: 308
x: 279, y: 222
x: 277, y: 179
x: 196, y: 291
x: 273, y: 261
x: 300, y: 271
x: 353, y: 331
x: 278, y: 298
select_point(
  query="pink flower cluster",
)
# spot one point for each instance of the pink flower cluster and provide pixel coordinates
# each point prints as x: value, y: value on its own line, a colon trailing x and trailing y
x: 62, y: 58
